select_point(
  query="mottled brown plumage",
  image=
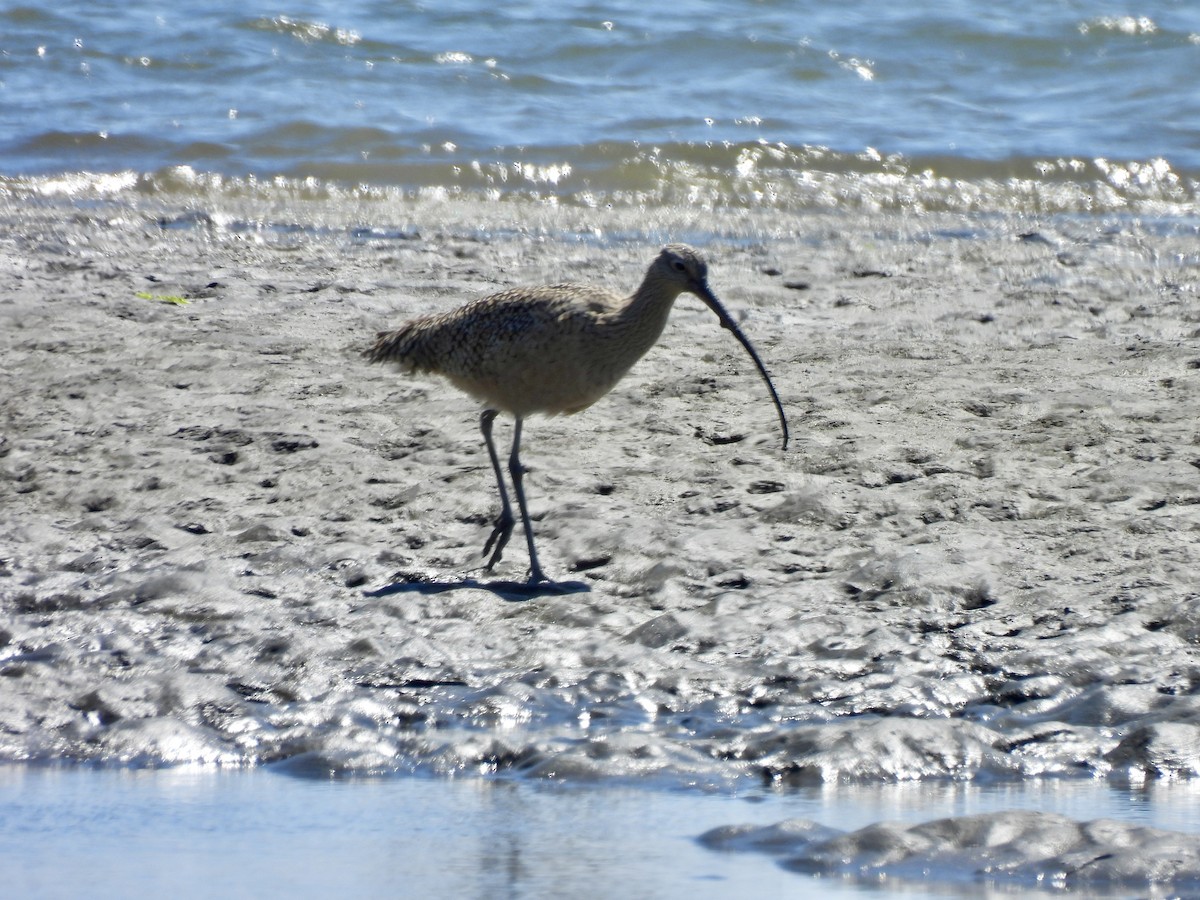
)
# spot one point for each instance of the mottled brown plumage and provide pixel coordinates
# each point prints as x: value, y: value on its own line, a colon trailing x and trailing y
x: 551, y: 349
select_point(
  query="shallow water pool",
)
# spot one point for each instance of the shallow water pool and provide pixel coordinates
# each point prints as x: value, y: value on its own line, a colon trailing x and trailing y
x: 199, y: 833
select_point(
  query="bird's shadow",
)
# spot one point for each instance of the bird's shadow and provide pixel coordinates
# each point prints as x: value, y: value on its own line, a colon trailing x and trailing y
x: 511, y: 591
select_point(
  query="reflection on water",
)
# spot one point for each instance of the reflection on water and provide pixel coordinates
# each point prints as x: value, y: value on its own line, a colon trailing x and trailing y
x: 675, y: 176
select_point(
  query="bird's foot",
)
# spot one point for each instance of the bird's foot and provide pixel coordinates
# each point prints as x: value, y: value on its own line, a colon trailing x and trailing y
x: 498, y: 539
x: 539, y: 585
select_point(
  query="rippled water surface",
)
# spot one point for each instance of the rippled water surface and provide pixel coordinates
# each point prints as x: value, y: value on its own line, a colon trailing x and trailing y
x: 747, y: 102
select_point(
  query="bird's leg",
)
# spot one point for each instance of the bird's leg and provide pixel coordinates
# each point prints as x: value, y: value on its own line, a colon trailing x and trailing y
x: 517, y: 471
x: 505, y: 521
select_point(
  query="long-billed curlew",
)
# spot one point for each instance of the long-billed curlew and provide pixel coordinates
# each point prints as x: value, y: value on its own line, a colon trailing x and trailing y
x: 551, y: 349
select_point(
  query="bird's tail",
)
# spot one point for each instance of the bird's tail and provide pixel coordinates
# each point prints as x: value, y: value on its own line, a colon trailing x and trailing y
x: 403, y: 346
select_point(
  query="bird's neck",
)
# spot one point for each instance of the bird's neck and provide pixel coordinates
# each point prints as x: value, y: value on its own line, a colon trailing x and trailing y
x: 643, y: 315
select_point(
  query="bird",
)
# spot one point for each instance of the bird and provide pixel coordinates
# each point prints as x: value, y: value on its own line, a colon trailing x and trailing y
x: 551, y: 349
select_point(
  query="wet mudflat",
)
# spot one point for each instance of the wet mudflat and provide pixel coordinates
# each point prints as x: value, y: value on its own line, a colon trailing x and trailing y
x: 227, y: 537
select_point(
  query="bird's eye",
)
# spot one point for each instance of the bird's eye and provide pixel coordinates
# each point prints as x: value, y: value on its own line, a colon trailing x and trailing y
x: 678, y: 265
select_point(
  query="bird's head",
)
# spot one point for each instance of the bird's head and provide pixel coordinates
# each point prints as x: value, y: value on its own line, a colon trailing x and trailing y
x: 685, y: 267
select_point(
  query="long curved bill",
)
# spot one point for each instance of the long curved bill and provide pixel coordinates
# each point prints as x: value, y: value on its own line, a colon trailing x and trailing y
x: 710, y: 299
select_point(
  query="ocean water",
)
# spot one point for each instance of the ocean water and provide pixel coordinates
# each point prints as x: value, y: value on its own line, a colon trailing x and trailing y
x: 1073, y: 105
